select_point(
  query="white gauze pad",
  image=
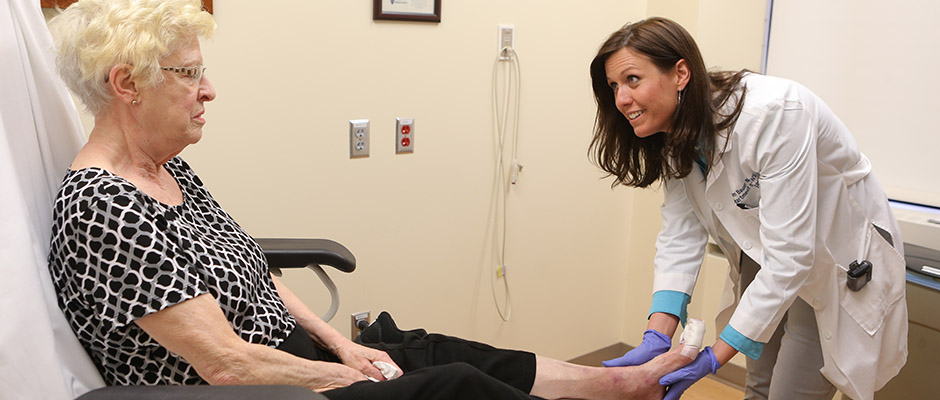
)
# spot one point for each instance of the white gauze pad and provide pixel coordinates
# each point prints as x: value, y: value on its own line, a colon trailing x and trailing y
x: 692, y: 337
x: 388, y: 370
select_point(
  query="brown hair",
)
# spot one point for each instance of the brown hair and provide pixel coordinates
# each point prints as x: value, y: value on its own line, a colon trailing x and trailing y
x: 639, y: 162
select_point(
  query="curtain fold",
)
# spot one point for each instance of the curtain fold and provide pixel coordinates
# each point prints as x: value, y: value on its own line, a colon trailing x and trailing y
x: 40, y: 358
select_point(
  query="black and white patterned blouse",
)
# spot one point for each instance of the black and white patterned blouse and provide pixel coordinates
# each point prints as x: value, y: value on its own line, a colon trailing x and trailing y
x: 118, y: 255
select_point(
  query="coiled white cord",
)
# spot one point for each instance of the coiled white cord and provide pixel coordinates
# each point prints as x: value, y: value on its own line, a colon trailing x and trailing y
x: 504, y: 178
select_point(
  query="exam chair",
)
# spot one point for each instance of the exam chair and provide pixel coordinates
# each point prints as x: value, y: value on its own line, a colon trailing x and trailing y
x: 281, y: 254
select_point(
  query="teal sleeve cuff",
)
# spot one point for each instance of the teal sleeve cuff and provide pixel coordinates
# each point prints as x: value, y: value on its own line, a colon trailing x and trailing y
x: 741, y: 343
x: 670, y: 302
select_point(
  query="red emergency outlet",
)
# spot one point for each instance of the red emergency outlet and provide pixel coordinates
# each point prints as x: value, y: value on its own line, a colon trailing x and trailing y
x: 404, y: 135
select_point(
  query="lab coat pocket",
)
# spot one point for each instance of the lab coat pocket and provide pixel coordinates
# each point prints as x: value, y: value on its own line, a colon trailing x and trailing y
x: 869, y: 305
x: 753, y: 213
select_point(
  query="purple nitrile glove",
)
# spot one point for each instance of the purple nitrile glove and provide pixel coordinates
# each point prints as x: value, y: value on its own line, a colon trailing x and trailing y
x: 654, y: 344
x: 680, y: 380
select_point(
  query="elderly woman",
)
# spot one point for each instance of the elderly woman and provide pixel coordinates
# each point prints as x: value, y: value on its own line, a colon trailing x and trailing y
x: 161, y: 286
x: 766, y: 169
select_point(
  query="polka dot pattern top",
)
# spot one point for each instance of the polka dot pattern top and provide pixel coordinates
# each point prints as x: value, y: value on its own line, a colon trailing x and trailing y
x: 118, y: 255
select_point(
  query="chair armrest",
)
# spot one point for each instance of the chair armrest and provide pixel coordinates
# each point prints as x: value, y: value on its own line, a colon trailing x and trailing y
x: 299, y: 253
x: 202, y: 392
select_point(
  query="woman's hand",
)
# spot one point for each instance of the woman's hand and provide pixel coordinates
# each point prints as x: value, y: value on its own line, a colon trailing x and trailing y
x: 333, y: 376
x: 656, y: 340
x: 360, y: 358
x: 654, y: 343
x: 643, y: 381
x: 355, y: 356
x: 680, y: 380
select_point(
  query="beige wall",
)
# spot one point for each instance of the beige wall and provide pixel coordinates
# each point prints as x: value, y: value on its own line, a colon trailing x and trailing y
x: 289, y: 76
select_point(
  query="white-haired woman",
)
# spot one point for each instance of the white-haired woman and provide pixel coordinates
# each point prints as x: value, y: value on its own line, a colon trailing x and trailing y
x: 161, y: 286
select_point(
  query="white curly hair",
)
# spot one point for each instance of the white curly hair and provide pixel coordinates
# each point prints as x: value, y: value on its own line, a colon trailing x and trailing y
x: 92, y: 36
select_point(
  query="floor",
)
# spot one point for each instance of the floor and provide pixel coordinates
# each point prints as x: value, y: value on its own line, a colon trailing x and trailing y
x: 712, y: 389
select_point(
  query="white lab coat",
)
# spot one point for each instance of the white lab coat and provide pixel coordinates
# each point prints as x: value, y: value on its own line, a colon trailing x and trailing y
x: 793, y: 192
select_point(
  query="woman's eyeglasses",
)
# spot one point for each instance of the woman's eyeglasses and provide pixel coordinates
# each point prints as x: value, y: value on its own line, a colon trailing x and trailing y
x: 194, y: 73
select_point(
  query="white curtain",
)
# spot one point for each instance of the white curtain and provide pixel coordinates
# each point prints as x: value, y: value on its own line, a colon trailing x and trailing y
x: 40, y: 358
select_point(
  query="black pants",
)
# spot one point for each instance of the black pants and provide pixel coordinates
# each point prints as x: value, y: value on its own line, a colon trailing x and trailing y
x: 435, y: 366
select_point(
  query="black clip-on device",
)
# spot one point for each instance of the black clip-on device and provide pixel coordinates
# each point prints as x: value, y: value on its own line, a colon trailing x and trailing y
x: 859, y: 274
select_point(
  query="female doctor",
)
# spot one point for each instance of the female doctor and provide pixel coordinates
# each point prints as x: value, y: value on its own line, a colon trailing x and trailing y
x: 766, y: 169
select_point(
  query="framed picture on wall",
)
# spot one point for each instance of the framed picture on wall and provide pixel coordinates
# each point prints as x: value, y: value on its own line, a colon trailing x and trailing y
x: 407, y: 10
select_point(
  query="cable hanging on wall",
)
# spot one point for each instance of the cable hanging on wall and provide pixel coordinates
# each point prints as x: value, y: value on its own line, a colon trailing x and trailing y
x: 505, y: 145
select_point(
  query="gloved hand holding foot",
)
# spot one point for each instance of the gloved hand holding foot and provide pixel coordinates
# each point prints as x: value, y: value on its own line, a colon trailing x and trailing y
x: 680, y: 380
x: 654, y: 343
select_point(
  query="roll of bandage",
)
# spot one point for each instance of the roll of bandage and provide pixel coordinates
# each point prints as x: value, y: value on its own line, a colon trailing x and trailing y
x: 692, y: 337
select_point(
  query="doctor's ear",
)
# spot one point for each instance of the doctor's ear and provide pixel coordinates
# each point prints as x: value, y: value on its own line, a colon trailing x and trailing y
x: 121, y: 83
x: 682, y: 74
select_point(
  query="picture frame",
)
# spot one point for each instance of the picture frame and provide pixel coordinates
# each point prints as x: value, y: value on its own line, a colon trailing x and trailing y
x: 407, y: 10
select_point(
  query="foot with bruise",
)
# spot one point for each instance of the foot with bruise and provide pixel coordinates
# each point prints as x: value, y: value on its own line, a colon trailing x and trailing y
x: 642, y: 381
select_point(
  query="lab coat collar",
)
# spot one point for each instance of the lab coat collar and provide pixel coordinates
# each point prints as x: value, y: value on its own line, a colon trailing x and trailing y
x: 723, y: 144
x: 715, y: 170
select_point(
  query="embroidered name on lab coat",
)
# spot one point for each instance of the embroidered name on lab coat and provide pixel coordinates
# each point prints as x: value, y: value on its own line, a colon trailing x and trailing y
x: 739, y: 195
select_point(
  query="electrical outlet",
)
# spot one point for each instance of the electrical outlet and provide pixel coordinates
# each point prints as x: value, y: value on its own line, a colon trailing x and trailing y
x: 506, y: 33
x: 356, y: 322
x: 358, y: 138
x: 404, y: 135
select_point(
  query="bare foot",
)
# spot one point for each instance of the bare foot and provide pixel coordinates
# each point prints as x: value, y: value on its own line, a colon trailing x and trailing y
x: 561, y: 380
x: 642, y: 381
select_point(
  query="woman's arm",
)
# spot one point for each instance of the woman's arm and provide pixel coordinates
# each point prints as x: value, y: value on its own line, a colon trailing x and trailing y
x: 354, y: 355
x: 320, y: 331
x: 782, y: 148
x: 197, y: 330
x: 723, y: 351
x: 664, y: 323
x: 680, y: 249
